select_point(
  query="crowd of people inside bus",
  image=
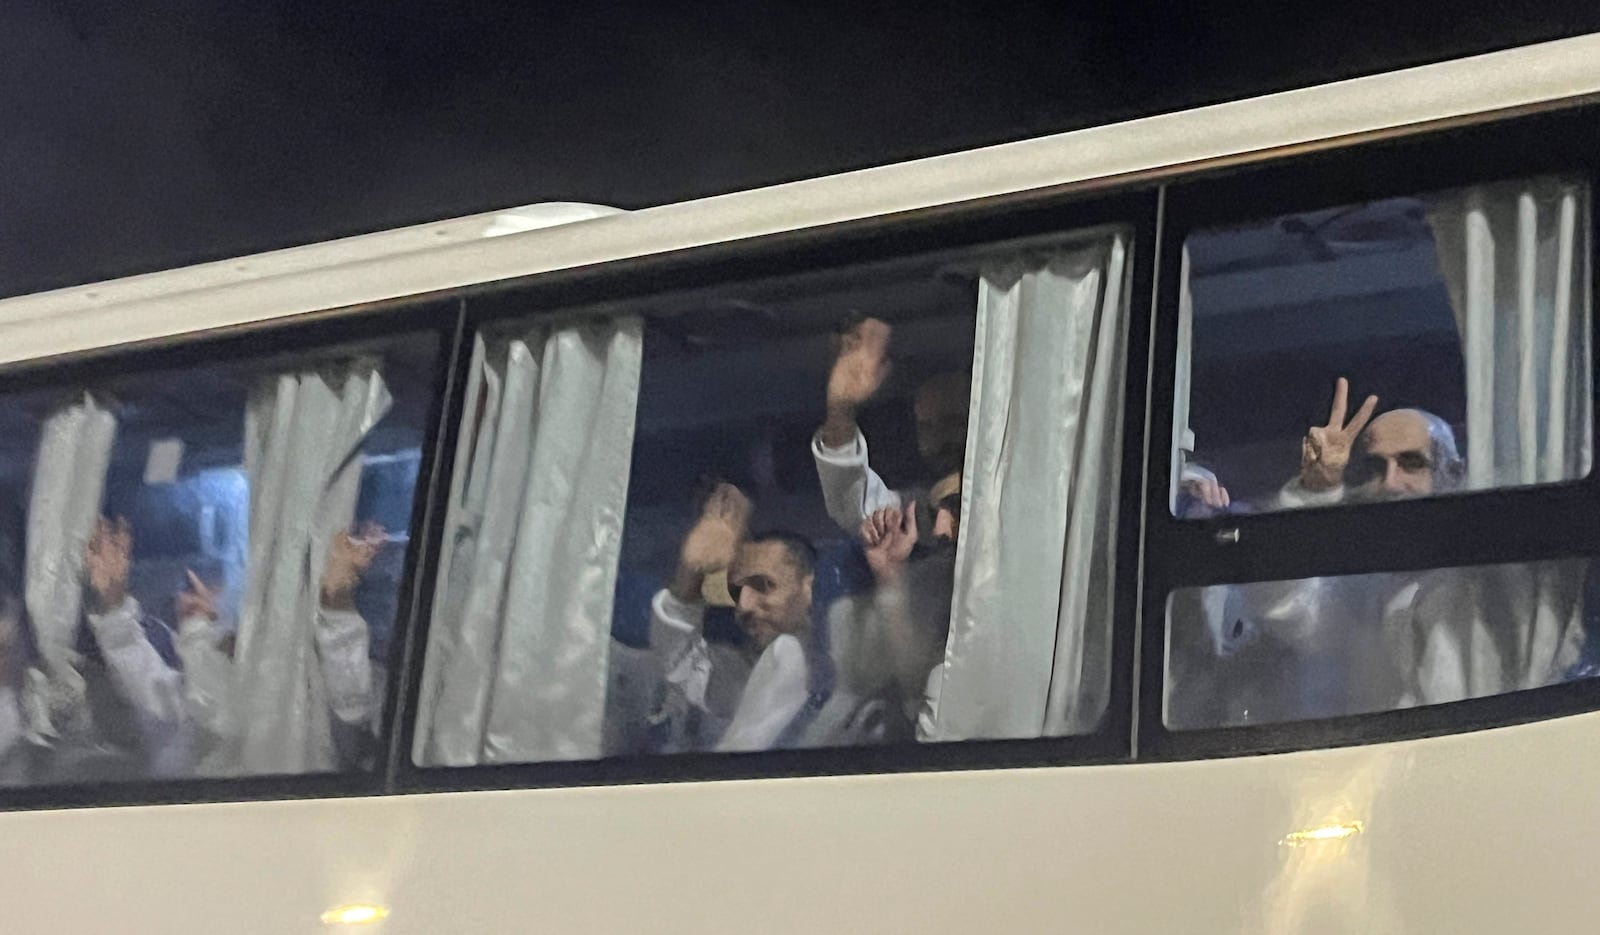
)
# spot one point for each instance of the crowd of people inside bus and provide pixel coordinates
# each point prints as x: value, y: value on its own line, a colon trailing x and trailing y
x: 859, y: 670
x: 863, y: 669
x: 139, y: 697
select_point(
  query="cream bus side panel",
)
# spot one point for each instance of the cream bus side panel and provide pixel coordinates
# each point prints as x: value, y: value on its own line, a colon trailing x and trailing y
x: 1490, y: 832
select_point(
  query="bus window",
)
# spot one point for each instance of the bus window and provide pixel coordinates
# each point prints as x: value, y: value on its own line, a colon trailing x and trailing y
x: 1398, y: 348
x: 830, y: 510
x: 199, y: 566
x: 1276, y: 651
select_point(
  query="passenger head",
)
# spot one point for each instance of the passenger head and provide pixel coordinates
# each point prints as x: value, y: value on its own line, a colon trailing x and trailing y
x: 770, y: 581
x: 1409, y: 453
x: 944, y: 501
x: 941, y: 411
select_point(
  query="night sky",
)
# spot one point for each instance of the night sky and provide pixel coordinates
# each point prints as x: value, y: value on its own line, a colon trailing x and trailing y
x: 136, y: 136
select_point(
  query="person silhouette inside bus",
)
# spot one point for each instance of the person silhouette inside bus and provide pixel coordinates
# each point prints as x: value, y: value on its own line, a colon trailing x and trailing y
x: 1338, y: 645
x: 910, y: 535
x: 888, y: 641
x: 110, y: 708
x: 754, y: 696
x: 1401, y: 454
x: 218, y: 716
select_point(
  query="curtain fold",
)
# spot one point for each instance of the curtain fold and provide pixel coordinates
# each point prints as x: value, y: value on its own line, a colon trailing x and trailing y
x: 1028, y: 652
x: 517, y: 661
x: 69, y: 480
x: 1514, y: 257
x: 303, y: 436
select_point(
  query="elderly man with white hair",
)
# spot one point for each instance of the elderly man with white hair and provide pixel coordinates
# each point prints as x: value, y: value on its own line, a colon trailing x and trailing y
x: 1330, y: 646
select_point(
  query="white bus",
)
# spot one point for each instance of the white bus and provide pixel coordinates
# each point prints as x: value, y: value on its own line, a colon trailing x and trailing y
x: 1176, y: 525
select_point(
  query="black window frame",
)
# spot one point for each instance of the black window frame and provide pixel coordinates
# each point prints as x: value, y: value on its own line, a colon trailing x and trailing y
x: 905, y: 235
x: 1487, y: 527
x: 312, y: 333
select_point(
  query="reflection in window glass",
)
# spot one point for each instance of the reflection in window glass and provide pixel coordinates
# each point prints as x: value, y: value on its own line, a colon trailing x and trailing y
x: 1399, y: 348
x: 816, y: 512
x: 199, y: 567
x: 1275, y: 651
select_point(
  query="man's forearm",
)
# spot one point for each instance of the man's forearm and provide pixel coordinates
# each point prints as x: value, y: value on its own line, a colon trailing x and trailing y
x: 839, y: 428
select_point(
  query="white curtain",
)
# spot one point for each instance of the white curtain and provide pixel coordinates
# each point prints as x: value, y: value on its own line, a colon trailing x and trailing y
x: 516, y: 669
x: 303, y: 436
x: 1030, y: 626
x: 69, y: 479
x: 1515, y: 258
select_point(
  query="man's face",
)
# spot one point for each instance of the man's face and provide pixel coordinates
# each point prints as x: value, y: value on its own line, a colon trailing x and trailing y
x: 1399, y: 458
x: 771, y: 597
x: 941, y: 411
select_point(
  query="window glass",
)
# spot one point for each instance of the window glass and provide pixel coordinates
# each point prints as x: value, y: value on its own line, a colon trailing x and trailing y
x: 827, y: 510
x: 199, y: 567
x: 1275, y: 651
x: 1398, y: 348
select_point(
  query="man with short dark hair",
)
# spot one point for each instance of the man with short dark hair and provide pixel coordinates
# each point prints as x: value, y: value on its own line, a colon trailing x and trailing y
x: 724, y: 697
x: 887, y: 642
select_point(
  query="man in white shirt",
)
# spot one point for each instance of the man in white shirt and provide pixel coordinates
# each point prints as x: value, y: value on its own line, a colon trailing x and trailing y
x: 888, y: 641
x: 723, y: 697
x: 352, y: 682
x: 1329, y: 646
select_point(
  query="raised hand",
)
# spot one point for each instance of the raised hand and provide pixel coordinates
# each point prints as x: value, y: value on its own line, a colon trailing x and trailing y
x: 710, y: 544
x: 1325, y: 452
x: 198, y: 601
x: 110, y: 554
x: 888, y: 536
x: 1203, y: 485
x: 349, y: 557
x: 858, y: 373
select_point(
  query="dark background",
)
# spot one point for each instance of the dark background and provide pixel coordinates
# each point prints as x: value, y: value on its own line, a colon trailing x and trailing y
x: 142, y: 135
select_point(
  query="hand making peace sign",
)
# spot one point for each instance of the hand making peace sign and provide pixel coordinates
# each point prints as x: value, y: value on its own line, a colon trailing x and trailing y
x: 1325, y: 451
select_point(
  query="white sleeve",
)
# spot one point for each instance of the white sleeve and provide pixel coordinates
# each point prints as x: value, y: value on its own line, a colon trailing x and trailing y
x: 676, y: 638
x: 772, y: 698
x: 207, y: 677
x: 851, y: 489
x: 151, y: 687
x: 1295, y: 497
x: 342, y: 652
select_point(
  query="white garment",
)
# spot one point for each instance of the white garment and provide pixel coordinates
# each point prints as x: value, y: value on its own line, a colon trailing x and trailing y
x: 1322, y: 647
x: 13, y: 750
x: 851, y: 489
x: 885, y: 644
x: 215, y: 710
x: 758, y: 703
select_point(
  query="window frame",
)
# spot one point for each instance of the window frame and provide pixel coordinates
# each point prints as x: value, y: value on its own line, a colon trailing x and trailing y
x: 596, y: 290
x: 418, y: 318
x: 1485, y: 527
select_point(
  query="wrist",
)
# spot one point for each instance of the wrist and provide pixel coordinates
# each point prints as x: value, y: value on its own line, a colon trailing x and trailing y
x: 104, y: 602
x: 340, y: 599
x: 686, y: 584
x: 839, y: 428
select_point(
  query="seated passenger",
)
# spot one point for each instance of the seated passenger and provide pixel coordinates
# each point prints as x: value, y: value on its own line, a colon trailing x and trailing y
x: 887, y: 641
x: 856, y: 496
x: 719, y: 696
x: 1328, y: 646
x: 117, y: 712
x: 342, y: 638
